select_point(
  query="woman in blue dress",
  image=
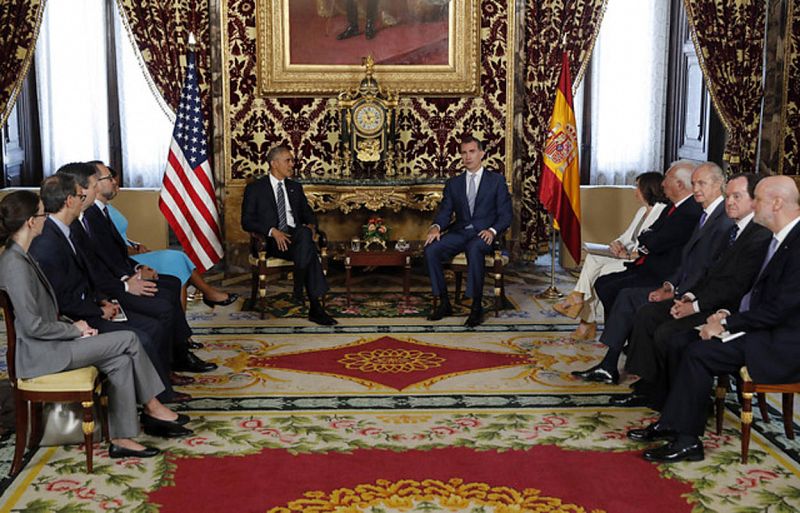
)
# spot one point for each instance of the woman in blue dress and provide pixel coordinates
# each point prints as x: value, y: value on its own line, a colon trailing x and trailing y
x: 167, y: 261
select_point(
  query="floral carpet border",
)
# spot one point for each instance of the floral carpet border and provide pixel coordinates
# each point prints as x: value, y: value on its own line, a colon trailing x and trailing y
x: 405, y: 328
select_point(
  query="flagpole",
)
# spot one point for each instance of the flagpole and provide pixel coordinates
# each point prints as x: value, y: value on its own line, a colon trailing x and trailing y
x: 551, y: 292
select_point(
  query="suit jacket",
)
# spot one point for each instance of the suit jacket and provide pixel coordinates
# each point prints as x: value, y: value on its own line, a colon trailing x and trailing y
x: 39, y: 332
x: 109, y: 246
x: 701, y: 249
x: 260, y: 211
x: 665, y: 239
x: 67, y: 272
x: 100, y: 275
x: 733, y: 272
x: 772, y: 324
x: 492, y: 204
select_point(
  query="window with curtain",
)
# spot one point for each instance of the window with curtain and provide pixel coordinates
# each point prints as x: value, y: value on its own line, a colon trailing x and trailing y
x: 76, y: 116
x: 628, y: 91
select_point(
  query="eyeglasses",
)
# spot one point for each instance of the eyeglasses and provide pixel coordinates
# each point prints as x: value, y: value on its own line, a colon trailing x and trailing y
x: 81, y: 196
x: 107, y: 177
x: 40, y: 215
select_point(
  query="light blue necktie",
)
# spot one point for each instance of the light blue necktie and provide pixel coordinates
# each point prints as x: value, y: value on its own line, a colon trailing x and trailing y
x: 282, y: 226
x: 773, y: 247
x: 703, y: 218
x: 471, y: 192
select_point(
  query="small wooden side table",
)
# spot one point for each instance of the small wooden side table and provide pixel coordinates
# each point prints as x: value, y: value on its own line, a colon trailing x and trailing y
x: 383, y: 258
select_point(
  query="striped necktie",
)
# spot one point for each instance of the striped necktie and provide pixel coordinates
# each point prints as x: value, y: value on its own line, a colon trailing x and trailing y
x: 282, y: 226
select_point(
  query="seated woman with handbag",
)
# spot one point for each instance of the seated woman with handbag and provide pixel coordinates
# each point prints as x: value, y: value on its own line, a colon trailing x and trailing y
x: 47, y: 345
x: 582, y: 301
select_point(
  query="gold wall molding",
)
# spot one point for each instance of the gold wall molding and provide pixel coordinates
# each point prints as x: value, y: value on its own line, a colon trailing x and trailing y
x: 393, y: 197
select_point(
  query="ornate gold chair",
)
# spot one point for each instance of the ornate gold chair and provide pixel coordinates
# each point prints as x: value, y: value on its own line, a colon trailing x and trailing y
x: 263, y: 266
x: 496, y: 263
x: 84, y: 385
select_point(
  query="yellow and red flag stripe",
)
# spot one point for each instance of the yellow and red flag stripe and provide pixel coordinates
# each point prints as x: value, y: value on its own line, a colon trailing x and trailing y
x: 560, y: 185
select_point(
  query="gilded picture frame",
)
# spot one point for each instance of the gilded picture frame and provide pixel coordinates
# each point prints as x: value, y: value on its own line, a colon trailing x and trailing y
x: 289, y: 64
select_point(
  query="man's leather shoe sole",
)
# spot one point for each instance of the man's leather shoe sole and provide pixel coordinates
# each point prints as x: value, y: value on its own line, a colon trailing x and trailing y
x: 115, y: 451
x: 629, y: 400
x: 350, y: 31
x: 598, y: 374
x: 674, y: 452
x: 180, y: 381
x: 651, y: 433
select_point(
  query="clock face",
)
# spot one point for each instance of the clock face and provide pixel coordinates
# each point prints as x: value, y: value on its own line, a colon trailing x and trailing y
x: 368, y: 118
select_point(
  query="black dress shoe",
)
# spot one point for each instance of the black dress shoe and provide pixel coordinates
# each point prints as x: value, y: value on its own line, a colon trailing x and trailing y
x: 690, y: 450
x: 350, y: 31
x: 322, y: 318
x: 164, y: 428
x: 651, y: 433
x: 475, y: 318
x: 599, y: 375
x: 195, y: 345
x: 443, y: 309
x: 369, y: 30
x: 191, y: 363
x: 629, y: 400
x: 232, y: 297
x: 115, y: 451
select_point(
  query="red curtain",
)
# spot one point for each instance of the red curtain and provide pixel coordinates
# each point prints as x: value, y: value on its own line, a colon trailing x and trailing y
x: 729, y: 39
x: 20, y: 21
x: 161, y: 30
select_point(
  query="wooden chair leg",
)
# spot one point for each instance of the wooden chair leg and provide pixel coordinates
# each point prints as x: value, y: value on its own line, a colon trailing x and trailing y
x: 21, y: 415
x: 459, y: 276
x: 104, y: 417
x: 788, y: 414
x: 719, y: 400
x: 762, y: 405
x: 88, y: 430
x: 262, y: 288
x: 37, y: 425
x: 254, y: 285
x: 498, y: 294
x: 747, y: 420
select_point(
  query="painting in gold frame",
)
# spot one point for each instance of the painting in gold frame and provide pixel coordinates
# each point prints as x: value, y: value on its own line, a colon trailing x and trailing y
x: 420, y: 46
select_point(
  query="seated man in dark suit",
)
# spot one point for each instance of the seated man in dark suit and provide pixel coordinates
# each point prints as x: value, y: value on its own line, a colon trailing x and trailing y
x: 480, y: 201
x: 660, y: 247
x: 138, y: 288
x: 768, y: 319
x: 58, y: 254
x: 275, y: 209
x: 696, y: 256
x: 727, y: 280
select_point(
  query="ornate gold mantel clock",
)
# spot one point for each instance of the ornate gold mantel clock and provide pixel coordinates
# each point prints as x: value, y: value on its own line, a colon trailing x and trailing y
x: 368, y: 118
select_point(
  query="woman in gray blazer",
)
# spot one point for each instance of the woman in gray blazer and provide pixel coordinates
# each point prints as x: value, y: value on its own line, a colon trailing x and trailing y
x: 47, y: 345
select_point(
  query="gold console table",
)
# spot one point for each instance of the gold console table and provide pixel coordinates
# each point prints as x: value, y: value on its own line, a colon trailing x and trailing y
x: 395, y: 195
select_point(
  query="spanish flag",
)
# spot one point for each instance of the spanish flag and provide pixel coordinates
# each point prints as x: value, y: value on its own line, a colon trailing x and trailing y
x: 559, y: 188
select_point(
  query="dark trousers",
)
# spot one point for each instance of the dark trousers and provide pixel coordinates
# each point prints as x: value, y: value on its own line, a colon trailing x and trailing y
x: 302, y: 251
x: 352, y: 12
x: 620, y: 320
x: 609, y: 286
x: 152, y: 335
x: 687, y: 404
x: 449, y: 245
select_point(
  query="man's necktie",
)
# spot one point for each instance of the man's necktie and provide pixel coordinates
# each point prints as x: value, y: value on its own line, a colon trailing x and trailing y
x: 471, y: 192
x: 744, y: 305
x: 734, y: 231
x: 85, y: 222
x: 703, y: 218
x: 282, y: 226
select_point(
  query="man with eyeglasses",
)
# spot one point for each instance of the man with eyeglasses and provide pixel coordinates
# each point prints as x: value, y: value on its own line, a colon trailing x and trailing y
x: 73, y: 277
x: 275, y: 209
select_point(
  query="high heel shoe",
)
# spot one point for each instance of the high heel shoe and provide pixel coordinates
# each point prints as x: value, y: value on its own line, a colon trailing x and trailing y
x: 571, y: 306
x: 585, y: 331
x: 232, y: 297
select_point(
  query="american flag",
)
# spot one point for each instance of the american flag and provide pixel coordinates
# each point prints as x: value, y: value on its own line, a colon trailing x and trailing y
x: 187, y: 196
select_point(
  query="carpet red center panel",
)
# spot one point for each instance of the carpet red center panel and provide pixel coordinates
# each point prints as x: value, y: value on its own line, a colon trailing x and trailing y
x: 615, y: 482
x: 390, y: 362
